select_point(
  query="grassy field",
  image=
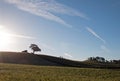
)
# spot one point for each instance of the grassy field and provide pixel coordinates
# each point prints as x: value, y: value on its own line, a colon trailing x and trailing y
x: 16, y: 72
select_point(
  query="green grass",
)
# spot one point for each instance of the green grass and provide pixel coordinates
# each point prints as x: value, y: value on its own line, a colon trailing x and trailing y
x: 16, y: 72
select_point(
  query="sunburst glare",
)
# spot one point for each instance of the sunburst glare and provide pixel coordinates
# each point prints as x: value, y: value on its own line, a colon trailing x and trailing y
x: 5, y: 38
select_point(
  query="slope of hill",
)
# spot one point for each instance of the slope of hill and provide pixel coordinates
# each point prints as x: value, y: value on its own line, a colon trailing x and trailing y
x: 24, y: 58
x: 33, y: 59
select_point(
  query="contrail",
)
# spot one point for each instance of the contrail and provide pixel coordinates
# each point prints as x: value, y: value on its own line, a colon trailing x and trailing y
x: 95, y: 34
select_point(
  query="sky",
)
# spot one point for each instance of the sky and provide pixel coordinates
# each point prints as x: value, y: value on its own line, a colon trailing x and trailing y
x: 73, y: 29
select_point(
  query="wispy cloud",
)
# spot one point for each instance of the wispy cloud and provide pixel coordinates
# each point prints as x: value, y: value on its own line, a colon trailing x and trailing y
x: 104, y: 48
x: 95, y: 34
x: 47, y: 9
x: 68, y: 55
x: 20, y: 36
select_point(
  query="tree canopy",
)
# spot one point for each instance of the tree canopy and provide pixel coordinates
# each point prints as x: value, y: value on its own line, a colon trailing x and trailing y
x: 35, y: 48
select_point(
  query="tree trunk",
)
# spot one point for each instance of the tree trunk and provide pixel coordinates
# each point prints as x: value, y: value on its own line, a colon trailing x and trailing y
x: 33, y: 51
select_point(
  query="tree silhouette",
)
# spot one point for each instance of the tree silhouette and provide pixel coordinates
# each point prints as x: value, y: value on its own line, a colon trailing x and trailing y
x: 35, y: 48
x: 96, y: 59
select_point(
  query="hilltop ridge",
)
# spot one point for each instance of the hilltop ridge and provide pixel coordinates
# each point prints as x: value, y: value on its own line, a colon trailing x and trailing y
x: 46, y: 60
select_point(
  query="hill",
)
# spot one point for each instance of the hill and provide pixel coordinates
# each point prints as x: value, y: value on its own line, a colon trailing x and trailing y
x: 24, y: 58
x: 34, y: 59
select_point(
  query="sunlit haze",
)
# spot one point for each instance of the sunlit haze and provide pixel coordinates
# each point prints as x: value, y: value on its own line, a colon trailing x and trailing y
x: 73, y: 29
x: 5, y: 38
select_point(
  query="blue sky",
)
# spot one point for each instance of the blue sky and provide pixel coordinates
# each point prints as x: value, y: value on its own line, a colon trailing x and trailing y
x: 74, y: 29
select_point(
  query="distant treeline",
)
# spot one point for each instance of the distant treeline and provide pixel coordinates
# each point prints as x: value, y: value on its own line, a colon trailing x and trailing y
x: 102, y: 60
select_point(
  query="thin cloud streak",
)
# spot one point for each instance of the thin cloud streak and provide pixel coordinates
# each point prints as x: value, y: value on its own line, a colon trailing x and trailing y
x: 95, y: 34
x: 68, y: 55
x: 47, y: 9
x: 20, y: 36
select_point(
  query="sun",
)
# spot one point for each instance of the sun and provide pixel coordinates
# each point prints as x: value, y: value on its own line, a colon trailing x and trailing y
x: 5, y: 38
